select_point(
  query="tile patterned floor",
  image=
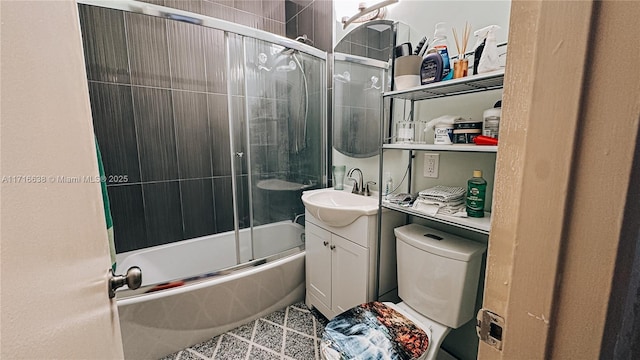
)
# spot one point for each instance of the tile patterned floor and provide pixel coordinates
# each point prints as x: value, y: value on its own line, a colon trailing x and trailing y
x: 290, y: 333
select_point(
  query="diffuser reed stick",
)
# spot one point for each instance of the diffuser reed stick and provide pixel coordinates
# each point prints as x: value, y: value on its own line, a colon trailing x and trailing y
x: 461, y: 65
x: 462, y: 45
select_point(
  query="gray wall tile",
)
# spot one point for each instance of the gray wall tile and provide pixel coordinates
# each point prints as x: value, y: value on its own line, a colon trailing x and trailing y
x: 114, y: 126
x: 197, y: 207
x: 192, y: 134
x: 156, y: 136
x: 194, y: 6
x: 305, y: 22
x: 105, y: 44
x: 215, y: 61
x: 163, y: 212
x: 273, y: 10
x: 127, y: 210
x: 323, y: 25
x: 148, y: 51
x: 186, y: 56
x: 223, y: 200
x: 251, y: 6
x: 217, y: 10
x: 247, y: 19
x: 220, y: 145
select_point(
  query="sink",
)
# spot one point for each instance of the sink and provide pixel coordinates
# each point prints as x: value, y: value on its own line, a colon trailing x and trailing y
x: 338, y: 208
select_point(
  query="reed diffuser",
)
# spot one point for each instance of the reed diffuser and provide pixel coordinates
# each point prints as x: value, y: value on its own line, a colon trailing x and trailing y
x: 461, y: 65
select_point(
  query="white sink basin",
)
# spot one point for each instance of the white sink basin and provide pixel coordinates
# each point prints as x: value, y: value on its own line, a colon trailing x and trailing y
x: 338, y: 208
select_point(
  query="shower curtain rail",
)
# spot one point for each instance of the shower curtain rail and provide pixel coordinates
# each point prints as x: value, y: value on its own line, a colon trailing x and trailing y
x: 207, y: 21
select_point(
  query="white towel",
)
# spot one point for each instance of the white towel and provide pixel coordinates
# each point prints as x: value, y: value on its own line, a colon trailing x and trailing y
x: 432, y: 208
x: 443, y: 193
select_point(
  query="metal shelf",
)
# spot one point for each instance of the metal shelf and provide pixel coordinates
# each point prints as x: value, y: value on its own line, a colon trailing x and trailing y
x: 453, y: 147
x: 480, y: 225
x: 465, y: 85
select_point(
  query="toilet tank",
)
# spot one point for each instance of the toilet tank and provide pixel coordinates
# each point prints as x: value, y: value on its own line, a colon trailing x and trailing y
x: 438, y: 273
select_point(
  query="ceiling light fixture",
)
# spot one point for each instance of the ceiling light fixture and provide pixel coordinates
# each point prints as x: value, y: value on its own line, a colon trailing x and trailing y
x: 365, y: 14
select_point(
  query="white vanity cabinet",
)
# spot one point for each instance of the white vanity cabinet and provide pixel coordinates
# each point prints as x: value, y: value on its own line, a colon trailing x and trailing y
x: 341, y: 262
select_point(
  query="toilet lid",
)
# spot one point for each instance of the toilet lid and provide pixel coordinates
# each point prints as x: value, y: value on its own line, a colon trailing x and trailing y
x: 373, y: 331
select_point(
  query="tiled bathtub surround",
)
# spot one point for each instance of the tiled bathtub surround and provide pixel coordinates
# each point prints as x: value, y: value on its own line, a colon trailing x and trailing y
x: 158, y: 91
x: 290, y: 333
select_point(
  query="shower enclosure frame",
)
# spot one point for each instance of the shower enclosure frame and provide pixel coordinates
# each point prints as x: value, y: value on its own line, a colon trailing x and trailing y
x: 245, y: 32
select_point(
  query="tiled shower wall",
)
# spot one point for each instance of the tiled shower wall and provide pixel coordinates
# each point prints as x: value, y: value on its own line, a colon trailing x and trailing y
x: 162, y: 120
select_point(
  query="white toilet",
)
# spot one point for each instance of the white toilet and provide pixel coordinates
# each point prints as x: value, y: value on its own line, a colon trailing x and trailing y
x: 437, y: 280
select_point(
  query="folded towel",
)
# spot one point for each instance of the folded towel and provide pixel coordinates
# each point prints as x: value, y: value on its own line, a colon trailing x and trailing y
x: 433, y: 208
x: 443, y: 193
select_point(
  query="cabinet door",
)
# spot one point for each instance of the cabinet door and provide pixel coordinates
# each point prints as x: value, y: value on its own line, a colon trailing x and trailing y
x: 350, y: 275
x: 318, y: 263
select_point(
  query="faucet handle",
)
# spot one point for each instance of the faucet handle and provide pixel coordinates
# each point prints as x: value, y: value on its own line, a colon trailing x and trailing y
x: 367, y: 192
x: 356, y: 188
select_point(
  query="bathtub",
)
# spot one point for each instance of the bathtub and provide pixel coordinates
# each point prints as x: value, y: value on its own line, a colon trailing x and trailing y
x: 204, y: 301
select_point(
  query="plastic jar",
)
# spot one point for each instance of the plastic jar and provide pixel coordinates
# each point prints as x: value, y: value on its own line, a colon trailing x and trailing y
x: 491, y: 122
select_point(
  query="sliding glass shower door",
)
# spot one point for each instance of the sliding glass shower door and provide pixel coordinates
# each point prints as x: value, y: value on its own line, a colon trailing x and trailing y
x: 278, y: 107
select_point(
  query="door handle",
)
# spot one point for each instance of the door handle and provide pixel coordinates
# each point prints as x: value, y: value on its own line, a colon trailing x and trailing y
x: 325, y: 243
x: 133, y: 279
x: 332, y: 247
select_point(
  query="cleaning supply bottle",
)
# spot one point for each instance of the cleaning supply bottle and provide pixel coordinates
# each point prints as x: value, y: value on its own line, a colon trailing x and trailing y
x: 388, y: 184
x: 485, y: 58
x: 439, y: 45
x: 476, y: 191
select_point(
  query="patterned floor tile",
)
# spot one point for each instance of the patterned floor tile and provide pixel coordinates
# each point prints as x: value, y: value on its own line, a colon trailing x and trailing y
x: 262, y: 354
x: 299, y: 347
x: 276, y: 317
x: 231, y: 347
x: 244, y: 331
x: 262, y: 339
x: 300, y: 321
x: 206, y: 348
x: 269, y: 335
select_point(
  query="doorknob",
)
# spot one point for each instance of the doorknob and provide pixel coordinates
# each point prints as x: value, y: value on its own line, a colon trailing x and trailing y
x: 133, y: 279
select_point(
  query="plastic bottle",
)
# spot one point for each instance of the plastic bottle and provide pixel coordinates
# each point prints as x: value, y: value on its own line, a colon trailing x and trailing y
x: 388, y: 184
x: 488, y: 58
x: 439, y: 45
x: 476, y: 191
x: 491, y: 122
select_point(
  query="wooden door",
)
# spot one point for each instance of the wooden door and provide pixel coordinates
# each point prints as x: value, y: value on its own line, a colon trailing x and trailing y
x: 565, y: 210
x: 55, y: 253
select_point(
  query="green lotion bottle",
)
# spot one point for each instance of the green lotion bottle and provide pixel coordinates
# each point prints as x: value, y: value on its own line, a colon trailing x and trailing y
x: 476, y: 190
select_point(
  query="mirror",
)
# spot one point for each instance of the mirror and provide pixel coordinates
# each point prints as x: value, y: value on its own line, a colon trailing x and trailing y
x: 361, y: 60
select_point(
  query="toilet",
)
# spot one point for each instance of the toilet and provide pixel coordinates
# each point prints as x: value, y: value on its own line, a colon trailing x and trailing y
x: 438, y: 277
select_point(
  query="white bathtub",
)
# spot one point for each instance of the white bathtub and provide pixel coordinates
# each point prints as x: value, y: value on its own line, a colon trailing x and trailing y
x: 159, y: 323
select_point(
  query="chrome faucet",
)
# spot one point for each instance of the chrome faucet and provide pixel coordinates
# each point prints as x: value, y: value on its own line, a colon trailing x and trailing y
x: 357, y: 185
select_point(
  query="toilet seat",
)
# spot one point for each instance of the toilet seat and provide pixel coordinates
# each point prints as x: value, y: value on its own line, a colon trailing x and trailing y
x: 375, y: 330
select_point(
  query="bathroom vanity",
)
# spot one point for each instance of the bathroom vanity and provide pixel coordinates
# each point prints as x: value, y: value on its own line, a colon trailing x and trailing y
x: 342, y: 265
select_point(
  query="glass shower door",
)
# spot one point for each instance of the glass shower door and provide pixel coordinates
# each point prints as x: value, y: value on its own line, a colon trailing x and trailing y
x: 280, y: 137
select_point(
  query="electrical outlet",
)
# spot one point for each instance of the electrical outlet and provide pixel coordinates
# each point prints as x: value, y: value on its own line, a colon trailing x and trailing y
x: 431, y: 163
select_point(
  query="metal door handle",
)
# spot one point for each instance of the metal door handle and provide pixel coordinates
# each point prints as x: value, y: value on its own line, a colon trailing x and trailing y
x: 240, y: 154
x: 332, y: 247
x: 133, y: 279
x: 325, y: 243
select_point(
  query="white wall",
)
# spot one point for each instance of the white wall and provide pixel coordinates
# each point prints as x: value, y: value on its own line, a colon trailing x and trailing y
x: 455, y: 168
